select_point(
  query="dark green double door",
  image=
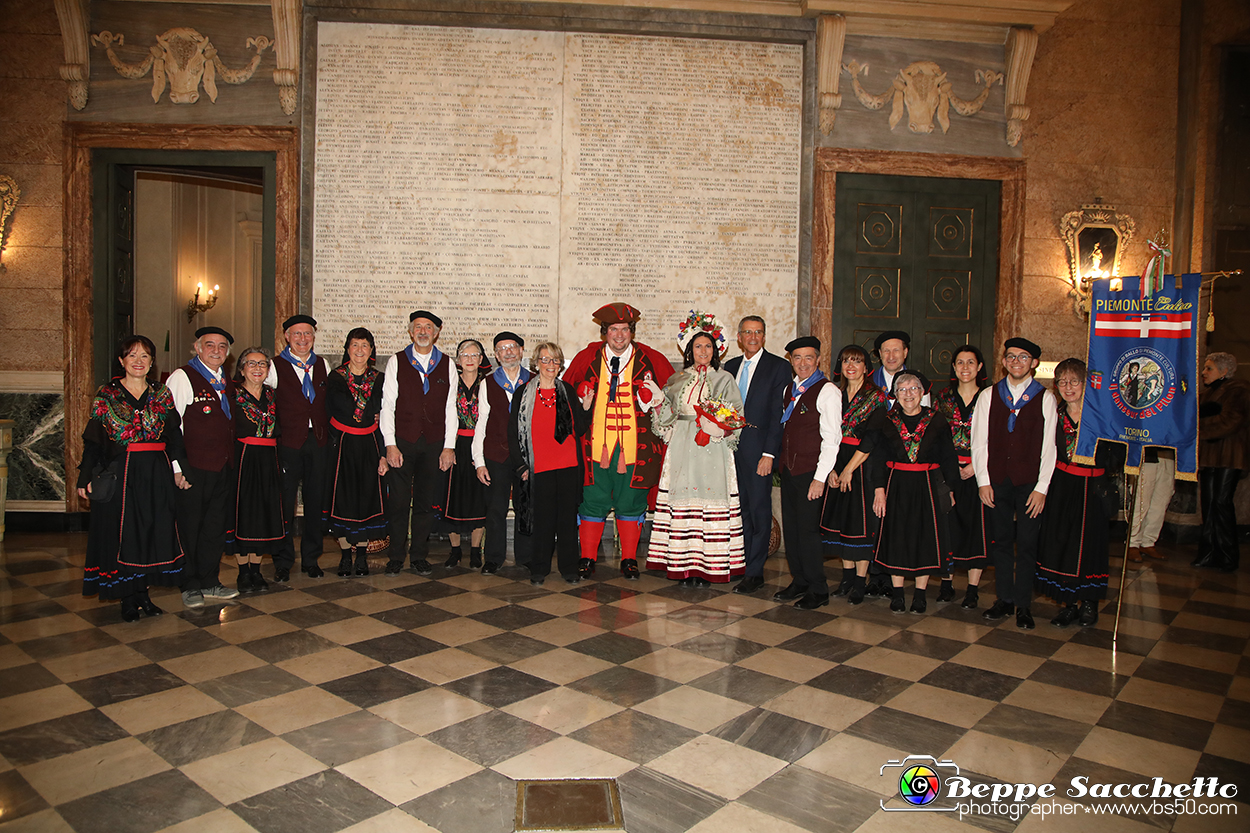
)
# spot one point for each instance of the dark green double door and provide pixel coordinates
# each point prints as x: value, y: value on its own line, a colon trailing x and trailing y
x: 917, y: 254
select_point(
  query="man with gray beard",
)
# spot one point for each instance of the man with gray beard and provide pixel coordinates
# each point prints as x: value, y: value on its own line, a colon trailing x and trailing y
x: 490, y: 450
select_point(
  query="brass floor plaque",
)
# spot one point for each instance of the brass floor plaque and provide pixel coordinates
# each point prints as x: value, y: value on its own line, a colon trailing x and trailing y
x: 568, y: 804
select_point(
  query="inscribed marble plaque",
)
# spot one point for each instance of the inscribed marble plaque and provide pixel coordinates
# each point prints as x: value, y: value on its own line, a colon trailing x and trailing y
x: 520, y: 180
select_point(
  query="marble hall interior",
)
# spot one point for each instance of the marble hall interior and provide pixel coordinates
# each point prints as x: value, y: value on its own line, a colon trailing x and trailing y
x: 961, y: 169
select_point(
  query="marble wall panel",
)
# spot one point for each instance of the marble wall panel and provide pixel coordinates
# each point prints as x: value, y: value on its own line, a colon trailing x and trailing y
x: 37, y: 461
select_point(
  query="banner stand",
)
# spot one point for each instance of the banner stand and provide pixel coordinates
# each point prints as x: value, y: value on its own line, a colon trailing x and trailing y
x: 1130, y: 493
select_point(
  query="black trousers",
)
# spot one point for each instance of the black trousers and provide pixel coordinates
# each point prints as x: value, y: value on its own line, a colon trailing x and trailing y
x: 305, y: 465
x: 203, y: 514
x: 1013, y: 543
x: 556, y: 495
x: 411, y: 493
x: 800, y: 521
x: 756, y: 496
x: 1217, y: 543
x: 498, y: 495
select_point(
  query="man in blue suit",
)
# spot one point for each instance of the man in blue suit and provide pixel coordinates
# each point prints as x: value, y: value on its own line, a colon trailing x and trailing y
x: 762, y: 379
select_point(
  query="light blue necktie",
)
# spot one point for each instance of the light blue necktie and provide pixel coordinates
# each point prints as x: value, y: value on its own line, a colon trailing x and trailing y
x: 744, y: 378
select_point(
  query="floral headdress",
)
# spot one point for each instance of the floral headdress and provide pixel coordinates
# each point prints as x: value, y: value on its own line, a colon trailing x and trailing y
x: 702, y: 322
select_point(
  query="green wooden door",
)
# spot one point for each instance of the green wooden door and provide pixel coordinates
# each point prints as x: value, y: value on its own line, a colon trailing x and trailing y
x: 918, y: 254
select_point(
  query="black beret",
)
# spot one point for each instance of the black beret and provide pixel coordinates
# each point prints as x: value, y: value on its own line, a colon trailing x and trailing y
x: 889, y: 334
x: 507, y: 336
x: 206, y: 331
x: 421, y: 313
x: 803, y: 341
x: 299, y: 319
x: 1025, y: 345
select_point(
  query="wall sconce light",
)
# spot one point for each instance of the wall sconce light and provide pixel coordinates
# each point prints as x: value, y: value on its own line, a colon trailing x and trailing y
x: 1096, y: 236
x: 9, y: 195
x: 195, y: 306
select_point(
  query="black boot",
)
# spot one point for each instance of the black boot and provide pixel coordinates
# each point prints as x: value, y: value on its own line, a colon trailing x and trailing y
x: 245, y: 579
x: 1089, y: 613
x: 146, y: 607
x: 947, y: 591
x: 258, y: 581
x: 856, y: 594
x: 130, y: 609
x: 475, y: 558
x: 362, y: 560
x: 971, y: 599
x: 898, y: 604
x: 919, y: 601
x: 345, y: 562
x: 844, y: 586
x: 453, y: 559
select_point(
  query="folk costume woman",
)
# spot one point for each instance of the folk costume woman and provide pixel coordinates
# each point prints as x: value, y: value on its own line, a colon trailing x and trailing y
x: 545, y: 428
x: 969, y: 538
x: 697, y: 534
x: 132, y: 434
x: 847, y: 522
x: 1073, y: 562
x: 466, y: 495
x: 257, y: 511
x: 914, y: 464
x: 355, y: 507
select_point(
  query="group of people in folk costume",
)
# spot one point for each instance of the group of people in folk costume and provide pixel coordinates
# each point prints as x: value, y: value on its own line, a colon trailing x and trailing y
x: 876, y: 469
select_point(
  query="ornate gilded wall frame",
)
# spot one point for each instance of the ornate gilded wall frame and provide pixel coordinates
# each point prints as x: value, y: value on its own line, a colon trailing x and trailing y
x: 1096, y: 236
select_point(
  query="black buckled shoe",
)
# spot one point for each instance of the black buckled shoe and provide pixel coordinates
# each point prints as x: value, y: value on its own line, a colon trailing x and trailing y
x: 130, y: 609
x: 586, y: 567
x: 345, y: 564
x: 947, y: 591
x: 490, y: 568
x: 259, y: 585
x: 314, y: 571
x: 919, y: 603
x: 281, y: 575
x: 856, y: 596
x: 843, y: 588
x: 629, y: 568
x: 145, y: 604
x: 812, y: 601
x: 898, y: 605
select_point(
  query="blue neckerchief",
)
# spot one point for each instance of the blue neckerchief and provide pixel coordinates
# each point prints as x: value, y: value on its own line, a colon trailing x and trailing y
x: 800, y: 388
x: 307, y: 367
x: 435, y: 358
x: 1034, y: 389
x: 502, y: 379
x: 218, y: 386
x: 878, y: 379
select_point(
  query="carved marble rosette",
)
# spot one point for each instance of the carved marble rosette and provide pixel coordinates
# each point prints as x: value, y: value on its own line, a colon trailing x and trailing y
x: 922, y: 90
x: 182, y: 58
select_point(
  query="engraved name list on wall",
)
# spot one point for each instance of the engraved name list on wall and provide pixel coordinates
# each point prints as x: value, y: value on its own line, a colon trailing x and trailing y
x: 520, y: 179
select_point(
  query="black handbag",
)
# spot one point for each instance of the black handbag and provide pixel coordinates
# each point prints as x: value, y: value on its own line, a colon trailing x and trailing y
x: 104, y: 482
x: 1107, y: 488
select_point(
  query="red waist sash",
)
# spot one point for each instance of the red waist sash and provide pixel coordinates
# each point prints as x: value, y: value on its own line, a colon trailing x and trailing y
x: 349, y: 429
x: 964, y: 461
x: 1079, y: 471
x: 850, y: 441
x: 464, y: 432
x: 269, y: 441
x: 146, y: 447
x: 912, y: 466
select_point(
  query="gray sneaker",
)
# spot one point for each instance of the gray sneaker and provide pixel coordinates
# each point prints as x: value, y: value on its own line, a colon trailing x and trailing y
x: 220, y: 593
x: 192, y: 599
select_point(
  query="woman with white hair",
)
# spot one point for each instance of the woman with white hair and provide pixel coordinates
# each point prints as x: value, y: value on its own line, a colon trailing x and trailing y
x: 258, y: 526
x: 1223, y: 440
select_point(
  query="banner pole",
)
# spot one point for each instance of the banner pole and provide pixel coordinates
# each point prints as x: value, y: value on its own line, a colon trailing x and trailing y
x: 1131, y: 497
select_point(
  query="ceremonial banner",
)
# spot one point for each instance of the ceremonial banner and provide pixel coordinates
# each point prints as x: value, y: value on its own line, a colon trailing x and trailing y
x: 1141, y: 387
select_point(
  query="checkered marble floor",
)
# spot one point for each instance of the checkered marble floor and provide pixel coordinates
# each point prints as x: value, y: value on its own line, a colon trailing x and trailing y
x: 412, y: 704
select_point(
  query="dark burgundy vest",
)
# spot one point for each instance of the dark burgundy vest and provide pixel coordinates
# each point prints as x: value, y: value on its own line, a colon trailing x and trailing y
x: 800, y: 438
x: 421, y: 415
x: 208, y: 434
x: 1015, y: 455
x: 295, y: 412
x: 495, y: 447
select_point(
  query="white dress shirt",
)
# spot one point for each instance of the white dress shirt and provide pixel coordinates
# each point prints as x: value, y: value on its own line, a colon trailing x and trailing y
x: 981, y: 434
x: 483, y: 414
x: 390, y: 395
x: 829, y: 405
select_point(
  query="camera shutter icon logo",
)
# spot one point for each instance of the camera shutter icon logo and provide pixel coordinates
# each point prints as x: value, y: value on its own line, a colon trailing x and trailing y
x: 920, y: 782
x: 919, y: 785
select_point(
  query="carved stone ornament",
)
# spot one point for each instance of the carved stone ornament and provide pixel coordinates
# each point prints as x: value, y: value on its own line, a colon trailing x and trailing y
x: 286, y: 23
x: 72, y: 15
x: 922, y: 90
x: 830, y: 39
x: 1096, y: 236
x: 184, y: 58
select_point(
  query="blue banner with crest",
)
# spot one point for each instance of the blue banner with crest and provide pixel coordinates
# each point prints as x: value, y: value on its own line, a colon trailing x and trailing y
x: 1141, y: 388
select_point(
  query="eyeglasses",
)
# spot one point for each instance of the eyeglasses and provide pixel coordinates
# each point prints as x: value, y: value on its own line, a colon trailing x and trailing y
x: 507, y: 348
x: 547, y: 360
x: 468, y: 355
x: 750, y: 332
x: 1018, y: 357
x: 250, y: 365
x: 909, y: 389
x: 1068, y: 383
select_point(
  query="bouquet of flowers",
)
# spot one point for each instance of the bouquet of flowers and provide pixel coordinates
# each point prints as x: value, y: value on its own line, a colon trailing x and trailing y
x: 723, y: 414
